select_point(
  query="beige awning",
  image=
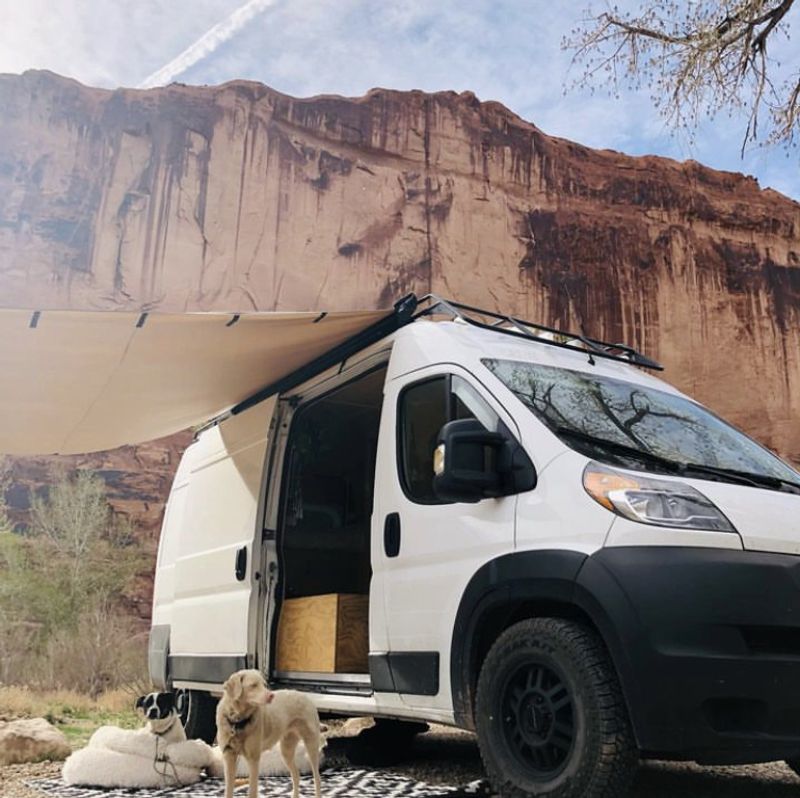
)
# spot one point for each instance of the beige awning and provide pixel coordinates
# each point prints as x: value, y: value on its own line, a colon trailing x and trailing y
x: 75, y: 381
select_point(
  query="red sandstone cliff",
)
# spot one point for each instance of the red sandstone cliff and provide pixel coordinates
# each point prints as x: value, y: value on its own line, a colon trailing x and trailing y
x: 239, y: 198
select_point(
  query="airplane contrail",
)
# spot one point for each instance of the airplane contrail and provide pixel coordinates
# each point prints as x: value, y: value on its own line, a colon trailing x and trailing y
x: 207, y: 43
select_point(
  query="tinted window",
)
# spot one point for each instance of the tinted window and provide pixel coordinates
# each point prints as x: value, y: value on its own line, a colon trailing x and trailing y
x: 579, y: 407
x: 424, y: 409
x: 423, y: 412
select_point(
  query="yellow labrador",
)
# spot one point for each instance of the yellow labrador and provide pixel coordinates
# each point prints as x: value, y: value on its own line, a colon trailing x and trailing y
x: 252, y: 719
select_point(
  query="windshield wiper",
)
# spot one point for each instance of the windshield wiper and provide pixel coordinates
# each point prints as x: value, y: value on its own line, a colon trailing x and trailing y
x: 757, y: 480
x: 676, y: 466
x: 619, y: 448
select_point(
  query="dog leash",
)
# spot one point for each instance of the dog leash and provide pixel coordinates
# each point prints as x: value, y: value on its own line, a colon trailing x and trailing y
x: 167, y: 762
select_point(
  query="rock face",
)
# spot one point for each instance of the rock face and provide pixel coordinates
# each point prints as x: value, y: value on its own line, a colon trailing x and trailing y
x: 239, y: 198
x: 31, y: 740
x: 137, y: 478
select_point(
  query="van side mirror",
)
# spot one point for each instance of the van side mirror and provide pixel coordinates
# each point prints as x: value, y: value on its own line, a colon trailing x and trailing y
x: 471, y: 463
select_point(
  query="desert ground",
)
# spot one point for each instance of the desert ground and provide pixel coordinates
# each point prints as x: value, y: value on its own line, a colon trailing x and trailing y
x: 445, y: 756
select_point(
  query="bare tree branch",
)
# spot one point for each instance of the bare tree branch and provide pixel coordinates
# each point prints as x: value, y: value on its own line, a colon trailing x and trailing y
x: 698, y: 57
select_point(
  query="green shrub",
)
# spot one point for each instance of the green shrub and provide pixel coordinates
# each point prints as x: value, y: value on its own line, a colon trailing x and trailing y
x: 63, y: 583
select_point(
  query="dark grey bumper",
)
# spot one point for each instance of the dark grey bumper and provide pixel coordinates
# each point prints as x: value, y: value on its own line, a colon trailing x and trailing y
x: 158, y: 657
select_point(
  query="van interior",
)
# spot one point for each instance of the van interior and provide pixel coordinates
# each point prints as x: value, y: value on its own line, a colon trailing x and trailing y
x: 324, y: 532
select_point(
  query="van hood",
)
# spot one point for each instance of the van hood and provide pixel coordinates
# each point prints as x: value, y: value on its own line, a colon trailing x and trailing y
x: 767, y: 520
x: 83, y: 381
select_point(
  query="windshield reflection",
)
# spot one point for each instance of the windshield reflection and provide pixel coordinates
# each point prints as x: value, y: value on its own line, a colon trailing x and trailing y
x: 647, y: 420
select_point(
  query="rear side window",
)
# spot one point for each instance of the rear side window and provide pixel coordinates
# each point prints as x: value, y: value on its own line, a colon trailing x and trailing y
x: 424, y: 408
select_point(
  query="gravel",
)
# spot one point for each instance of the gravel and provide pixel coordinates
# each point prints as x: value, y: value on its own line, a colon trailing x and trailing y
x: 447, y: 756
x: 13, y: 776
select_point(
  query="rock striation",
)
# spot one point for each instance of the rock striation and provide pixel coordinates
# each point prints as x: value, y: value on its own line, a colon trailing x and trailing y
x: 238, y: 198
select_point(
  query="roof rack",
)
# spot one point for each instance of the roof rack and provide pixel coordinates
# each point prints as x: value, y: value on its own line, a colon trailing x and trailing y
x: 510, y: 325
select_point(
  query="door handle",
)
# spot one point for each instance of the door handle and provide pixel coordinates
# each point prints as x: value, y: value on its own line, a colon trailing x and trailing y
x: 391, y: 535
x: 241, y: 563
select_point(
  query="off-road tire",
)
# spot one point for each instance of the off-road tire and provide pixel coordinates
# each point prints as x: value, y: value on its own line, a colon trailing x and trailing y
x: 550, y: 715
x: 197, y: 711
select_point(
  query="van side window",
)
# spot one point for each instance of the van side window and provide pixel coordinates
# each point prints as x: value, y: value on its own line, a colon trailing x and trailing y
x: 423, y: 410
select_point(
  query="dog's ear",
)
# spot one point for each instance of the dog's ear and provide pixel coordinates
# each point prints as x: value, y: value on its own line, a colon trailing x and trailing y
x: 167, y: 702
x: 234, y: 686
x: 139, y: 702
x: 270, y: 694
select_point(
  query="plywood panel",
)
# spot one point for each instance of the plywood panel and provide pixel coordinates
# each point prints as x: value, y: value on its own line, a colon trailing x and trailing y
x: 324, y: 634
x: 352, y: 634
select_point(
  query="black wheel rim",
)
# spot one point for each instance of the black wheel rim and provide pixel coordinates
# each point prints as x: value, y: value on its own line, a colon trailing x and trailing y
x: 538, y: 719
x: 182, y: 699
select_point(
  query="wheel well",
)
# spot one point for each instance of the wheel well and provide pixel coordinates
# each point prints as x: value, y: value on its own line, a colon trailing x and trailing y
x: 499, y: 618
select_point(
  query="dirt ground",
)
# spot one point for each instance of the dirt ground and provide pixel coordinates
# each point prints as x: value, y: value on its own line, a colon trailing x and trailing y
x: 444, y: 756
x: 448, y: 756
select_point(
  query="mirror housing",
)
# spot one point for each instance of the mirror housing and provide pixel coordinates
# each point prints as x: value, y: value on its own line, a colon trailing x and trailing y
x: 471, y: 463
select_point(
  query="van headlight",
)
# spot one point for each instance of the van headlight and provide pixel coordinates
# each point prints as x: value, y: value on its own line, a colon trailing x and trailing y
x: 653, y: 501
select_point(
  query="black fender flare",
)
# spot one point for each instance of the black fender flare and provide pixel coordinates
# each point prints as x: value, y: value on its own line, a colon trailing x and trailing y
x: 559, y: 576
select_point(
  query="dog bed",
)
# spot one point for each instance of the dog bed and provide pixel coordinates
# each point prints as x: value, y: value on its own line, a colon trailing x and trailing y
x: 127, y: 758
x: 270, y: 764
x: 139, y: 759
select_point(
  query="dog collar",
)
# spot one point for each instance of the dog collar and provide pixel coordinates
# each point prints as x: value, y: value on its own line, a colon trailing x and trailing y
x: 238, y: 725
x: 169, y: 728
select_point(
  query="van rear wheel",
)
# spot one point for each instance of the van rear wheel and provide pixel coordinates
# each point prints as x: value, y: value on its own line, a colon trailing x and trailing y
x: 550, y: 716
x: 197, y: 711
x: 388, y: 742
x: 794, y: 764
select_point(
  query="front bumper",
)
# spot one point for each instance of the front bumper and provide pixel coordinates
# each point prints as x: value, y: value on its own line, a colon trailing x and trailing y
x: 707, y: 645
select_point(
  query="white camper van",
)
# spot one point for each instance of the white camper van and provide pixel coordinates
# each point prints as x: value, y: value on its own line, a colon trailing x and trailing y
x: 549, y: 546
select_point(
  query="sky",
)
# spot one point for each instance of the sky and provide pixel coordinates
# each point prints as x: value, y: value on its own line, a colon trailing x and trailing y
x: 505, y: 50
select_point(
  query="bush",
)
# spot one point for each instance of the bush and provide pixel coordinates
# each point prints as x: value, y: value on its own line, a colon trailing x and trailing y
x: 62, y: 588
x: 105, y: 651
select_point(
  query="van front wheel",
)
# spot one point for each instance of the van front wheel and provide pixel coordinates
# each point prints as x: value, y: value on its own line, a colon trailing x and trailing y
x: 197, y: 710
x: 550, y: 715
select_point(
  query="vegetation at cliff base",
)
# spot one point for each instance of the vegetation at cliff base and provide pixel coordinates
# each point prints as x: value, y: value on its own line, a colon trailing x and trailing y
x: 64, y: 582
x: 76, y: 714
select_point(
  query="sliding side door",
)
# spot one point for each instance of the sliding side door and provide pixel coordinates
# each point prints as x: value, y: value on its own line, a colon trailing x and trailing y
x: 216, y: 568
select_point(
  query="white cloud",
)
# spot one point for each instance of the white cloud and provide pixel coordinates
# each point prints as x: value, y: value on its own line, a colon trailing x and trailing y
x: 207, y: 43
x: 102, y: 42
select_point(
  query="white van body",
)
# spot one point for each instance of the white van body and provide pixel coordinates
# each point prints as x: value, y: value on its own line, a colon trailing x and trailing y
x: 699, y: 618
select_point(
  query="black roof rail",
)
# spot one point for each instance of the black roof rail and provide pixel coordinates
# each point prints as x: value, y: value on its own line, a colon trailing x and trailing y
x: 407, y: 310
x: 511, y: 325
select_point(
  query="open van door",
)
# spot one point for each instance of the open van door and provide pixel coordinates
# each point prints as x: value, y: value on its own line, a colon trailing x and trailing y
x: 212, y: 529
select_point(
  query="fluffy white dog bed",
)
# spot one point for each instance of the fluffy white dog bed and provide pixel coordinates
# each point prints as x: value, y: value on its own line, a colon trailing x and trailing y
x: 127, y: 758
x: 270, y: 764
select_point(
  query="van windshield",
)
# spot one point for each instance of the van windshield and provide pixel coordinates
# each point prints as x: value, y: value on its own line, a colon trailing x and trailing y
x: 630, y: 425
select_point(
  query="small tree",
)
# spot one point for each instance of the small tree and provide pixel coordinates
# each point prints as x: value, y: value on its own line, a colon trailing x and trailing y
x: 86, y: 550
x: 697, y: 56
x: 62, y: 616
